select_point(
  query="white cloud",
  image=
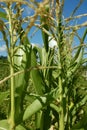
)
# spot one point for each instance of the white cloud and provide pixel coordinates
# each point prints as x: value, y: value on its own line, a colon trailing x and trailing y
x: 52, y: 43
x: 35, y: 44
x: 3, y: 48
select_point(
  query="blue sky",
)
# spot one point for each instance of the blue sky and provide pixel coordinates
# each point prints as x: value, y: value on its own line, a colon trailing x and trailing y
x: 71, y: 4
x: 68, y: 8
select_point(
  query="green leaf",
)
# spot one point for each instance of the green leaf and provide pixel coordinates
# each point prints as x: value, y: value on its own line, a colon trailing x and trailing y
x: 36, y: 76
x: 84, y: 60
x: 4, y: 125
x: 39, y: 103
x: 44, y: 57
x: 79, y: 129
x: 38, y: 119
x: 79, y: 49
x: 3, y: 96
x: 82, y: 124
x: 1, y: 26
x: 78, y: 61
x: 3, y: 15
x: 25, y: 40
x: 20, y: 127
x: 34, y: 107
x: 76, y: 64
x: 46, y: 27
x: 22, y: 61
x: 56, y: 108
x: 46, y: 119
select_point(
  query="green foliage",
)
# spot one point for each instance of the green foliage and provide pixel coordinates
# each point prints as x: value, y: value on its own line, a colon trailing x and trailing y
x: 3, y: 96
x: 21, y: 62
x: 44, y: 23
x: 4, y: 88
x: 36, y: 76
x: 5, y: 125
x: 32, y: 109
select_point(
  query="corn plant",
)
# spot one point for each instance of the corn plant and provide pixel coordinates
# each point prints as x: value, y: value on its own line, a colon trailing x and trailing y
x: 51, y: 71
x: 17, y: 57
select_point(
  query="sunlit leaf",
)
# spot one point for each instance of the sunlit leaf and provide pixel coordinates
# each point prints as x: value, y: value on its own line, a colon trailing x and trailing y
x: 4, y: 125
x: 34, y: 107
x: 36, y: 76
x: 22, y: 61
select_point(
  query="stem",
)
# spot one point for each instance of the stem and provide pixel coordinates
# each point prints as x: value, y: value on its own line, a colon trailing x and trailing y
x: 12, y: 116
x: 59, y: 8
x: 12, y: 123
x: 61, y: 114
x: 60, y: 85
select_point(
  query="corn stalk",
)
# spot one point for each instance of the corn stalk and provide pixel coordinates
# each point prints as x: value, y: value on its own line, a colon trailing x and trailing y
x: 11, y: 60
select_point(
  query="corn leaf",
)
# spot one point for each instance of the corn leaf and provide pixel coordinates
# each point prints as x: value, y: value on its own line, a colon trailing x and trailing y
x: 77, y: 63
x: 38, y: 119
x: 46, y: 119
x: 22, y: 61
x: 46, y: 27
x: 46, y: 59
x: 40, y: 103
x: 3, y: 15
x: 79, y: 49
x: 34, y: 107
x: 20, y: 127
x: 82, y: 124
x: 54, y: 107
x: 25, y: 40
x: 5, y: 126
x: 36, y: 76
x: 3, y: 96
